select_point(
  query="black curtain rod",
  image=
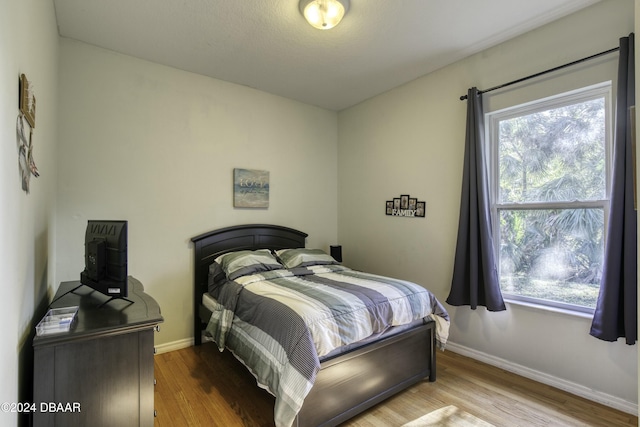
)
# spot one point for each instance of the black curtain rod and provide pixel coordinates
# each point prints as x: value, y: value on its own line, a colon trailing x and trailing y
x: 606, y: 52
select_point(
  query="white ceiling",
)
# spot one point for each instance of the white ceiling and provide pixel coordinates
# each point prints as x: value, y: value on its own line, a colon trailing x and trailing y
x: 267, y: 45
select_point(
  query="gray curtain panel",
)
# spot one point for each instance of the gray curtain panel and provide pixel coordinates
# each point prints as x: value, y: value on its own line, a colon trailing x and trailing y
x: 475, y: 276
x: 616, y: 313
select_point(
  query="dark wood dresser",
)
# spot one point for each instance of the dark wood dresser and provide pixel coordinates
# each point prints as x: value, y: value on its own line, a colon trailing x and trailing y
x: 100, y: 372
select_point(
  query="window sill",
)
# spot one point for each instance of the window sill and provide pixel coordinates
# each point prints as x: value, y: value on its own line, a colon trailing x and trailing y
x: 574, y: 313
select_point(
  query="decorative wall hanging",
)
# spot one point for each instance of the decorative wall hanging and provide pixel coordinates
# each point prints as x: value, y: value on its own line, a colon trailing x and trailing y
x: 27, y: 101
x: 250, y: 188
x: 405, y: 205
x: 27, y: 107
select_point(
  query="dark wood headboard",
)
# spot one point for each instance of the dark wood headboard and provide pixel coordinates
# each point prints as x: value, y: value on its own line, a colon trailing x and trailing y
x: 210, y: 245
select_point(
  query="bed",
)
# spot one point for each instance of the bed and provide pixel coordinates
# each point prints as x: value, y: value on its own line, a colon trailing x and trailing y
x: 346, y: 380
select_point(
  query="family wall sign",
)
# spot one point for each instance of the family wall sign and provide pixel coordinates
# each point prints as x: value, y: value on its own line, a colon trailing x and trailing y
x: 406, y: 206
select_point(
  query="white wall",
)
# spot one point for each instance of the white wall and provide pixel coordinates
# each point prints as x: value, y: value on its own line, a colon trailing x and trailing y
x: 157, y: 146
x: 29, y: 45
x: 410, y: 140
x: 169, y: 128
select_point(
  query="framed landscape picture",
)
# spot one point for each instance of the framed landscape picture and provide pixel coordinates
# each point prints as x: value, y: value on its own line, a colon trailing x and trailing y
x: 250, y: 188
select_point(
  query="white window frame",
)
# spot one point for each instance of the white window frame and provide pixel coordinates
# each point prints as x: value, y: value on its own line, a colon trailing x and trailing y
x: 492, y: 120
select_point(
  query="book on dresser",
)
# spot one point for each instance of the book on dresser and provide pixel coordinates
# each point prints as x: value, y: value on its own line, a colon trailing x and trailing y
x: 98, y: 371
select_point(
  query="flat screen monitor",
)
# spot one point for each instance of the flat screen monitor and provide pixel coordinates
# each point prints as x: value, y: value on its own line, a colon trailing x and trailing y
x: 105, y: 257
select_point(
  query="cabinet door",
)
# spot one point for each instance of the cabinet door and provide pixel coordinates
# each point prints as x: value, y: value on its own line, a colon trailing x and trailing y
x: 103, y: 376
x: 147, y: 388
x: 43, y: 385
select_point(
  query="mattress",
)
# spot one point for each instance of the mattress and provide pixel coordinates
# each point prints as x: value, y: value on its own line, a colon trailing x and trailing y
x: 210, y: 303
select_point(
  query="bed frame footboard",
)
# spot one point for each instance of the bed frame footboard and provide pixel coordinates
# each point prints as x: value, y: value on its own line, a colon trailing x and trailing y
x: 351, y: 383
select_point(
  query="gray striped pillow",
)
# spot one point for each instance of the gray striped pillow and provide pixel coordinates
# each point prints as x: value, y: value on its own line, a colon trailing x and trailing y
x: 292, y: 258
x: 243, y: 263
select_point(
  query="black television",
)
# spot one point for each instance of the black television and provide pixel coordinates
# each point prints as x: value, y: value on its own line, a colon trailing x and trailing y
x: 105, y: 257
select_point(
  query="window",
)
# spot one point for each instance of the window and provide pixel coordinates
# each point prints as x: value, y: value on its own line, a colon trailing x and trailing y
x: 549, y: 181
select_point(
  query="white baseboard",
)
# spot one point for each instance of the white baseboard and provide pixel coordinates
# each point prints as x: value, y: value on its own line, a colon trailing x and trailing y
x: 175, y: 345
x: 568, y: 386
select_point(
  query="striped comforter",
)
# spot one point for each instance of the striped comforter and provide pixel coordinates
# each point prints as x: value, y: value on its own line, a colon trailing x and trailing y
x: 280, y: 323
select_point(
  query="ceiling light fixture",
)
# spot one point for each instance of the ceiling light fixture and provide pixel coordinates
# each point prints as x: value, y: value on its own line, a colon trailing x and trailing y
x: 324, y: 14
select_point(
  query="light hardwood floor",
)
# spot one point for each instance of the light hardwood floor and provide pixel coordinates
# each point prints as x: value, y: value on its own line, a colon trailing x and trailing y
x: 198, y: 386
